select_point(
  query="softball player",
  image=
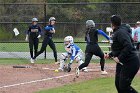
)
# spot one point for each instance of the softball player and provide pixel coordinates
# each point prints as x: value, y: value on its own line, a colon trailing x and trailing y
x: 33, y: 34
x: 49, y: 31
x: 73, y: 52
x: 92, y: 47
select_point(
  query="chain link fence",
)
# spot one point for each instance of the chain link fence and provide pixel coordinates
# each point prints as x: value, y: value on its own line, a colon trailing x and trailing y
x: 70, y: 21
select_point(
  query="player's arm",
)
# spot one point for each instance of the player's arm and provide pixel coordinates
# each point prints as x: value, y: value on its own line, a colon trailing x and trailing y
x: 73, y: 51
x: 125, y: 41
x: 104, y: 34
x: 40, y: 32
x: 50, y: 29
x: 27, y: 34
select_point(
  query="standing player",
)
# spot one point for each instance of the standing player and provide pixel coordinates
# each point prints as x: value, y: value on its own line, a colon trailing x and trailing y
x: 123, y: 51
x: 49, y: 31
x: 33, y: 34
x: 92, y: 47
x: 73, y: 52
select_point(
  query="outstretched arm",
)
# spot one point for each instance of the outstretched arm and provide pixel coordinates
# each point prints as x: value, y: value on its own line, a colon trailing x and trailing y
x: 103, y: 34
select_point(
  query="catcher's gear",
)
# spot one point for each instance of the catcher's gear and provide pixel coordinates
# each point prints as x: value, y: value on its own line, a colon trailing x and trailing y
x: 34, y: 20
x: 90, y: 23
x: 69, y: 67
x: 68, y: 40
x: 52, y: 19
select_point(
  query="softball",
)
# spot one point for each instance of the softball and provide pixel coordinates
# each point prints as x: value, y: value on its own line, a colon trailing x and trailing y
x: 56, y: 70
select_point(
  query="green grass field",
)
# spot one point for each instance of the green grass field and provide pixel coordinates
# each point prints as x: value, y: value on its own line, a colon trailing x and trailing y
x: 100, y: 85
x: 11, y: 61
x: 24, y: 47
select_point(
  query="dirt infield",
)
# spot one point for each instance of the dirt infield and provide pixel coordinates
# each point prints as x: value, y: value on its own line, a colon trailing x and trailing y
x: 42, y: 76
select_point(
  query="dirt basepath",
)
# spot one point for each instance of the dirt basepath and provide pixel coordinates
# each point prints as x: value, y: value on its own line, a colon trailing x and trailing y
x: 29, y: 80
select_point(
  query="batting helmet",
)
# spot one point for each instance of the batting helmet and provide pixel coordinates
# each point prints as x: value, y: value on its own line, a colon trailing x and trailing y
x: 34, y: 20
x: 90, y: 23
x: 52, y: 19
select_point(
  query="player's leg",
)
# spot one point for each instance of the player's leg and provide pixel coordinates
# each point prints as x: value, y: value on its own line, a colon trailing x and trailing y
x: 31, y: 46
x: 80, y: 61
x: 88, y: 56
x: 117, y: 77
x: 52, y: 46
x: 99, y: 52
x: 43, y: 47
x: 127, y: 74
x: 36, y: 41
x: 63, y: 58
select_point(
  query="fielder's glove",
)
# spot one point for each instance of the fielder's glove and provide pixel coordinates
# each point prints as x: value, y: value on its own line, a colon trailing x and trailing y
x: 69, y: 67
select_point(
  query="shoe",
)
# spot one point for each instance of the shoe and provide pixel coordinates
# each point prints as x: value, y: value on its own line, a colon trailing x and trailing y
x: 84, y: 69
x: 57, y: 63
x: 32, y: 61
x: 77, y: 72
x: 104, y: 73
x: 60, y: 69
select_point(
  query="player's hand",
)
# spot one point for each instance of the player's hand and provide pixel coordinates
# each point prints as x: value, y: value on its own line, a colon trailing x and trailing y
x: 26, y: 39
x: 110, y: 41
x: 116, y: 59
x: 106, y: 56
x: 38, y: 36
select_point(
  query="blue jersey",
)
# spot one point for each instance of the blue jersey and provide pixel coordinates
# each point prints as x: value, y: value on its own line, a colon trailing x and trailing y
x: 49, y: 28
x: 74, y: 49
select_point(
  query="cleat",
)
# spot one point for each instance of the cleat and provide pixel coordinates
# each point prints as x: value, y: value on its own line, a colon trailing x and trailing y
x: 32, y: 61
x: 57, y: 63
x: 104, y: 73
x: 60, y: 69
x: 84, y: 69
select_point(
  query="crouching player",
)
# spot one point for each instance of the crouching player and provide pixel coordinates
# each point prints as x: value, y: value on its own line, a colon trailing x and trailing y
x: 73, y: 52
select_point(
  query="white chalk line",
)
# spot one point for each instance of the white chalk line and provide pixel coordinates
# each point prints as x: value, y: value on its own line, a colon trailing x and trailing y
x: 35, y: 81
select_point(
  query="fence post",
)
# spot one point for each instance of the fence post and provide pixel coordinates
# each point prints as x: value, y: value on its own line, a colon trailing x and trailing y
x: 45, y: 16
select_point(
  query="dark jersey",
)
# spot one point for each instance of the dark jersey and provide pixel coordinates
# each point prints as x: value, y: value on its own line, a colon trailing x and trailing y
x: 34, y: 31
x: 122, y: 46
x: 92, y: 36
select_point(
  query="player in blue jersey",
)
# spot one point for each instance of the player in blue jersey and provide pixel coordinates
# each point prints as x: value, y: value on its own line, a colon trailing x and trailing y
x: 49, y: 31
x: 73, y: 52
x: 33, y: 34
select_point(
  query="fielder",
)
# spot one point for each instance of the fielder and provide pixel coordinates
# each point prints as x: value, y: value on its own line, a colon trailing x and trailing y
x: 73, y: 52
x: 33, y: 34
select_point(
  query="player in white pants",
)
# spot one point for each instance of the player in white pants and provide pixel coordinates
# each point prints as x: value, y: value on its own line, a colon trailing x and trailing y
x: 73, y: 52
